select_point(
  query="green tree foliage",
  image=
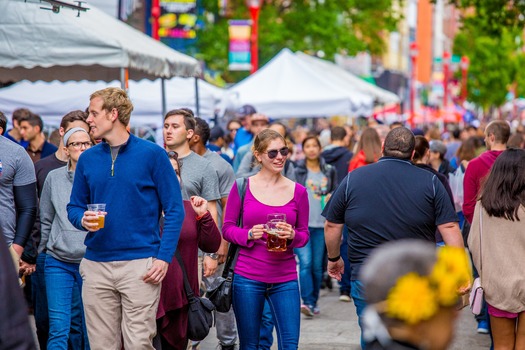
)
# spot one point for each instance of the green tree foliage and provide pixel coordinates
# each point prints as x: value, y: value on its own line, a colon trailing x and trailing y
x: 493, y: 17
x: 520, y: 75
x: 331, y: 26
x: 491, y: 36
x: 493, y: 66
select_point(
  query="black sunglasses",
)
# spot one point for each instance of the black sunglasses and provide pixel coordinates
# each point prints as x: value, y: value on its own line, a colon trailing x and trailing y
x: 273, y: 153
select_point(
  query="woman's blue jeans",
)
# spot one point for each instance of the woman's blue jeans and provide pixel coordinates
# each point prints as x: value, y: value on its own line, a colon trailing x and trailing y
x: 311, y: 266
x: 248, y: 304
x: 61, y: 277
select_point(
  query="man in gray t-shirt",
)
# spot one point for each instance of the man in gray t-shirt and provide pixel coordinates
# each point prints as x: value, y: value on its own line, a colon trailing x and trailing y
x: 17, y: 195
x: 198, y: 177
x: 224, y: 171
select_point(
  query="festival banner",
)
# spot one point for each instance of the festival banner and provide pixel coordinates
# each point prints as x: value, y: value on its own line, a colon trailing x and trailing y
x: 177, y: 19
x: 239, y: 50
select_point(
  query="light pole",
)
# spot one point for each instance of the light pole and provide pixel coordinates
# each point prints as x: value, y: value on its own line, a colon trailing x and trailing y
x: 446, y: 63
x: 465, y: 62
x: 414, y: 51
x: 254, y: 6
x: 155, y: 14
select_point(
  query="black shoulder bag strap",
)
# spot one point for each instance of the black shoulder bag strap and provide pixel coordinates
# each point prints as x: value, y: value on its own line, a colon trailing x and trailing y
x: 233, y: 250
x: 187, y: 288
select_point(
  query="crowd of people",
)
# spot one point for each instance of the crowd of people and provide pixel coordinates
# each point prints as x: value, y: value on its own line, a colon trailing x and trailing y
x: 385, y: 210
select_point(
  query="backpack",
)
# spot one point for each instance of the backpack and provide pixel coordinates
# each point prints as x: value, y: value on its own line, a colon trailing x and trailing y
x: 455, y: 181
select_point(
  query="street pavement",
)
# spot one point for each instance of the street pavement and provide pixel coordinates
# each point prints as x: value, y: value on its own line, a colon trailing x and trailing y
x: 336, y: 328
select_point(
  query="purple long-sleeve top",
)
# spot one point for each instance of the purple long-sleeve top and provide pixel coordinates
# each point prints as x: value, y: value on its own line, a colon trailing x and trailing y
x: 255, y: 261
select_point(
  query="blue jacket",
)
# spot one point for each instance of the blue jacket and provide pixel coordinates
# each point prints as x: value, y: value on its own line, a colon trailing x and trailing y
x: 48, y: 149
x: 242, y: 137
x: 338, y: 157
x: 136, y: 188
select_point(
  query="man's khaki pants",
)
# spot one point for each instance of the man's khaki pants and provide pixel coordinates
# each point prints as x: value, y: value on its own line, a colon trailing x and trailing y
x: 118, y: 304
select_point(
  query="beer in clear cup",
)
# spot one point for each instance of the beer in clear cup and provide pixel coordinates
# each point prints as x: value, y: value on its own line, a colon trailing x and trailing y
x: 99, y: 209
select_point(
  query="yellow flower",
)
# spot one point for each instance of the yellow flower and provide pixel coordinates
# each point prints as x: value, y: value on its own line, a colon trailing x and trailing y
x: 411, y: 299
x: 416, y: 298
x: 458, y: 262
x: 447, y: 292
x: 451, y: 271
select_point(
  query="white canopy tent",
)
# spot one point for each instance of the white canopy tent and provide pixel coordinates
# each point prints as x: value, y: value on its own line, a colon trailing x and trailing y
x: 53, y: 100
x: 288, y: 87
x: 337, y: 74
x: 36, y: 44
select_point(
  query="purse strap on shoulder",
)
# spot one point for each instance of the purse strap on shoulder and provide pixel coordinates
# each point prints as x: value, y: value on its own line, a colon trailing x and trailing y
x: 480, y: 240
x: 233, y: 250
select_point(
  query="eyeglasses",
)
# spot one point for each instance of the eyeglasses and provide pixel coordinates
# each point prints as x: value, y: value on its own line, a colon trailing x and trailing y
x: 233, y: 129
x: 78, y: 145
x: 173, y: 155
x: 273, y: 153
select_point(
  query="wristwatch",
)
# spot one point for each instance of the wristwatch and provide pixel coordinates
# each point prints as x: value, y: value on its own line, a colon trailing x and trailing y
x: 214, y: 256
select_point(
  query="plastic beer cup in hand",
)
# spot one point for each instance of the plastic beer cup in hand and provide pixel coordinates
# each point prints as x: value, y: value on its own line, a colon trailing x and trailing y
x: 100, y: 209
x: 273, y: 242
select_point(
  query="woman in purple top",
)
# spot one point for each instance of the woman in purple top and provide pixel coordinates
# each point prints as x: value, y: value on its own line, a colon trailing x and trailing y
x: 261, y: 274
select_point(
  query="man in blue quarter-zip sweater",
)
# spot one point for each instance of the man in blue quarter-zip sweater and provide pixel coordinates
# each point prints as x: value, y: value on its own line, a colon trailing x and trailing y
x: 127, y: 260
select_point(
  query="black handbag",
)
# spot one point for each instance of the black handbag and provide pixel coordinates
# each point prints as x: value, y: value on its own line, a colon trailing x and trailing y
x: 220, y: 293
x: 200, y: 312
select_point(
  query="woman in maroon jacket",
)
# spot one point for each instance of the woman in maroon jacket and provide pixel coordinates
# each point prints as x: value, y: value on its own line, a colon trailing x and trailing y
x: 199, y: 231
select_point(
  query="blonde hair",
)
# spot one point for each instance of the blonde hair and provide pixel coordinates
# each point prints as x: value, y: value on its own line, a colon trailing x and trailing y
x: 262, y: 141
x: 115, y: 98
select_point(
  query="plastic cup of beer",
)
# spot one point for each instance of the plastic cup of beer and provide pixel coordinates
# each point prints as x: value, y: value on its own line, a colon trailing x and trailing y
x: 100, y: 209
x: 273, y: 242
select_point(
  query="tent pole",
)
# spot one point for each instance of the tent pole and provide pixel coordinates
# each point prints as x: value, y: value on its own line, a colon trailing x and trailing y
x: 197, y: 106
x: 163, y: 94
x: 124, y: 79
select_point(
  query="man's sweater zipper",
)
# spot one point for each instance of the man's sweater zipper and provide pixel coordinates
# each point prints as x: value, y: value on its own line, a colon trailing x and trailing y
x: 113, y: 160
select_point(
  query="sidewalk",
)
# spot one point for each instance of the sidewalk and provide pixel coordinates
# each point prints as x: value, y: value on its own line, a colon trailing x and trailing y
x: 336, y: 328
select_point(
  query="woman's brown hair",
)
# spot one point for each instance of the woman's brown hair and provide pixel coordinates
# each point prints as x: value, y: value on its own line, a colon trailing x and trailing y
x: 503, y: 192
x: 467, y: 150
x: 421, y: 148
x: 370, y: 144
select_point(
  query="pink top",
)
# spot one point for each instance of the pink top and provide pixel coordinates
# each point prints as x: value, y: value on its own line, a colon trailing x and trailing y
x: 254, y: 261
